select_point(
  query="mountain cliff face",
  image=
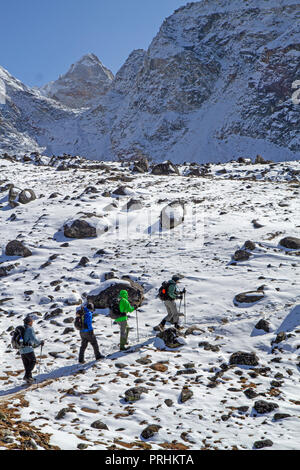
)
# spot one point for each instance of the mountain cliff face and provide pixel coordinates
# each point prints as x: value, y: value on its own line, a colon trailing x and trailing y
x: 215, y: 83
x: 82, y: 85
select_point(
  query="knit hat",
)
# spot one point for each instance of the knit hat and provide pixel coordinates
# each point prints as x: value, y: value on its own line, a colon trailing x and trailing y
x: 176, y: 278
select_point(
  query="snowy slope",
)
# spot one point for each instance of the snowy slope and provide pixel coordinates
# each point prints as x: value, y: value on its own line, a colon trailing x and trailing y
x: 221, y: 209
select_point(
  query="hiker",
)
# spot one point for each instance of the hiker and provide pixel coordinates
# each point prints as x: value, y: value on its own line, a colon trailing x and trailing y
x: 118, y: 312
x: 169, y: 297
x: 27, y: 353
x: 87, y: 333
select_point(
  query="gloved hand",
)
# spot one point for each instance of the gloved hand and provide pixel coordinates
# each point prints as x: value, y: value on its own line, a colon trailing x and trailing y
x: 42, y: 343
x: 180, y: 296
x: 184, y: 290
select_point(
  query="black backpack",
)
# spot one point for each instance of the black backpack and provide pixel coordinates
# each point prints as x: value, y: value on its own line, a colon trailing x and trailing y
x: 115, y: 308
x: 163, y: 291
x: 17, y: 340
x: 79, y: 320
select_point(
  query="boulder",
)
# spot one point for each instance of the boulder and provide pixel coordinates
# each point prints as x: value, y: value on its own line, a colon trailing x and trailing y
x: 26, y: 196
x: 263, y: 325
x: 141, y: 166
x: 16, y: 248
x: 150, y: 430
x: 262, y: 406
x: 186, y: 394
x: 134, y: 394
x: 244, y: 358
x: 134, y: 205
x: 292, y: 243
x: 172, y: 215
x: 241, y: 255
x: 170, y: 338
x: 80, y: 229
x: 165, y: 168
x: 248, y: 297
x: 102, y: 297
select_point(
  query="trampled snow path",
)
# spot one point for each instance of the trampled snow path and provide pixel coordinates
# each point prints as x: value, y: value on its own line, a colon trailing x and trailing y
x: 219, y: 414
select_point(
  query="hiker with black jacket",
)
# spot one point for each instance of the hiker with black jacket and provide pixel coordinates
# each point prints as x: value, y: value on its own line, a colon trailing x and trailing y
x: 87, y: 333
x: 27, y: 353
x: 172, y: 293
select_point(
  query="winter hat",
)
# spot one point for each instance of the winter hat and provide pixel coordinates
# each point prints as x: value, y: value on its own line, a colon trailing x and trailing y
x: 176, y: 278
x: 28, y: 319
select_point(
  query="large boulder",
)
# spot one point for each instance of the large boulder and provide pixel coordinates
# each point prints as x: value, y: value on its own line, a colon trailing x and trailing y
x: 172, y: 215
x: 165, y: 168
x: 244, y: 358
x: 109, y: 290
x: 86, y: 226
x: 141, y: 166
x: 16, y: 248
x: 292, y: 243
x: 26, y: 196
x: 248, y: 298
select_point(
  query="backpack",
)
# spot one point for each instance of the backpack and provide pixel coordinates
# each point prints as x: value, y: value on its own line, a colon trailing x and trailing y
x: 79, y: 320
x: 163, y: 291
x: 115, y: 309
x: 17, y: 340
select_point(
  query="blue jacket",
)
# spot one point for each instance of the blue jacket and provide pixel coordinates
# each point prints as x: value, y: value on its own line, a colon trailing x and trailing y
x: 88, y: 319
x: 30, y: 340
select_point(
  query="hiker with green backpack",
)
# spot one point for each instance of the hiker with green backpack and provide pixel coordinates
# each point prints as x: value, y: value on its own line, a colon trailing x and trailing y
x: 168, y: 293
x: 118, y: 312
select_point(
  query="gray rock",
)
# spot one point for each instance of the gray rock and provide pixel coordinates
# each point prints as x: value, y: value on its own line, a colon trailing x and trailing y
x: 172, y: 215
x: 263, y: 325
x: 26, y: 196
x: 262, y: 406
x: 166, y: 168
x: 262, y: 444
x: 292, y: 243
x: 150, y: 431
x: 80, y: 229
x: 186, y: 394
x: 99, y: 425
x: 244, y: 358
x: 241, y: 255
x: 134, y: 394
x: 248, y: 297
x: 104, y: 298
x: 16, y: 248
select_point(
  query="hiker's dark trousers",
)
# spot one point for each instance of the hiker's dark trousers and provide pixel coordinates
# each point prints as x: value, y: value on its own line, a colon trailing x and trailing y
x: 86, y: 338
x: 29, y: 361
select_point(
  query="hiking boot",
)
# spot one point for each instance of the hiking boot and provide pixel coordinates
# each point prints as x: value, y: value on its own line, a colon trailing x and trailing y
x: 178, y: 327
x: 98, y: 358
x: 30, y: 381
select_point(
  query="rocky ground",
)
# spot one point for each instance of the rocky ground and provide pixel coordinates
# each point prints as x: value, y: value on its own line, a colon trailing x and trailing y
x: 231, y: 381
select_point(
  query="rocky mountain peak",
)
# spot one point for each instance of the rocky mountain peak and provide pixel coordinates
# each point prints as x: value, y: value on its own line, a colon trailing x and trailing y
x: 86, y: 81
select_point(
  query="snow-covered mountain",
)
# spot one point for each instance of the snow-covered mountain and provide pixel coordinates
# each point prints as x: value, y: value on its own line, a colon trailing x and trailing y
x: 216, y: 82
x: 82, y: 85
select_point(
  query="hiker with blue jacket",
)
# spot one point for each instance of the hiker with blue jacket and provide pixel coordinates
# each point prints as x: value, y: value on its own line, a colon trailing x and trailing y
x: 87, y: 334
x: 172, y: 293
x: 27, y: 350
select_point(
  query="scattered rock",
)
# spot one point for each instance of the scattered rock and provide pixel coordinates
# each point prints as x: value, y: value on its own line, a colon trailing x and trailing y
x: 134, y: 394
x: 262, y: 444
x: 244, y: 358
x: 262, y: 406
x: 165, y: 168
x: 291, y: 243
x: 263, y: 325
x: 102, y: 298
x: 150, y: 430
x: 241, y: 255
x: 186, y: 394
x: 248, y: 297
x: 16, y: 248
x: 99, y: 425
x: 172, y: 215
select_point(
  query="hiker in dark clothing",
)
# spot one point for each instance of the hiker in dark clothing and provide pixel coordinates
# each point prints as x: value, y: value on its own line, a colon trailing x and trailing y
x: 27, y: 352
x: 87, y: 334
x: 173, y: 314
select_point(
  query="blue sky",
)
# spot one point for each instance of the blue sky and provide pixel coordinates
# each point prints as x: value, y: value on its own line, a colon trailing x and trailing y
x: 40, y: 39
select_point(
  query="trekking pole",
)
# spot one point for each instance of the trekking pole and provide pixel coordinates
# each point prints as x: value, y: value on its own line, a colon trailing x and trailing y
x: 137, y: 325
x: 184, y: 309
x: 40, y: 360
